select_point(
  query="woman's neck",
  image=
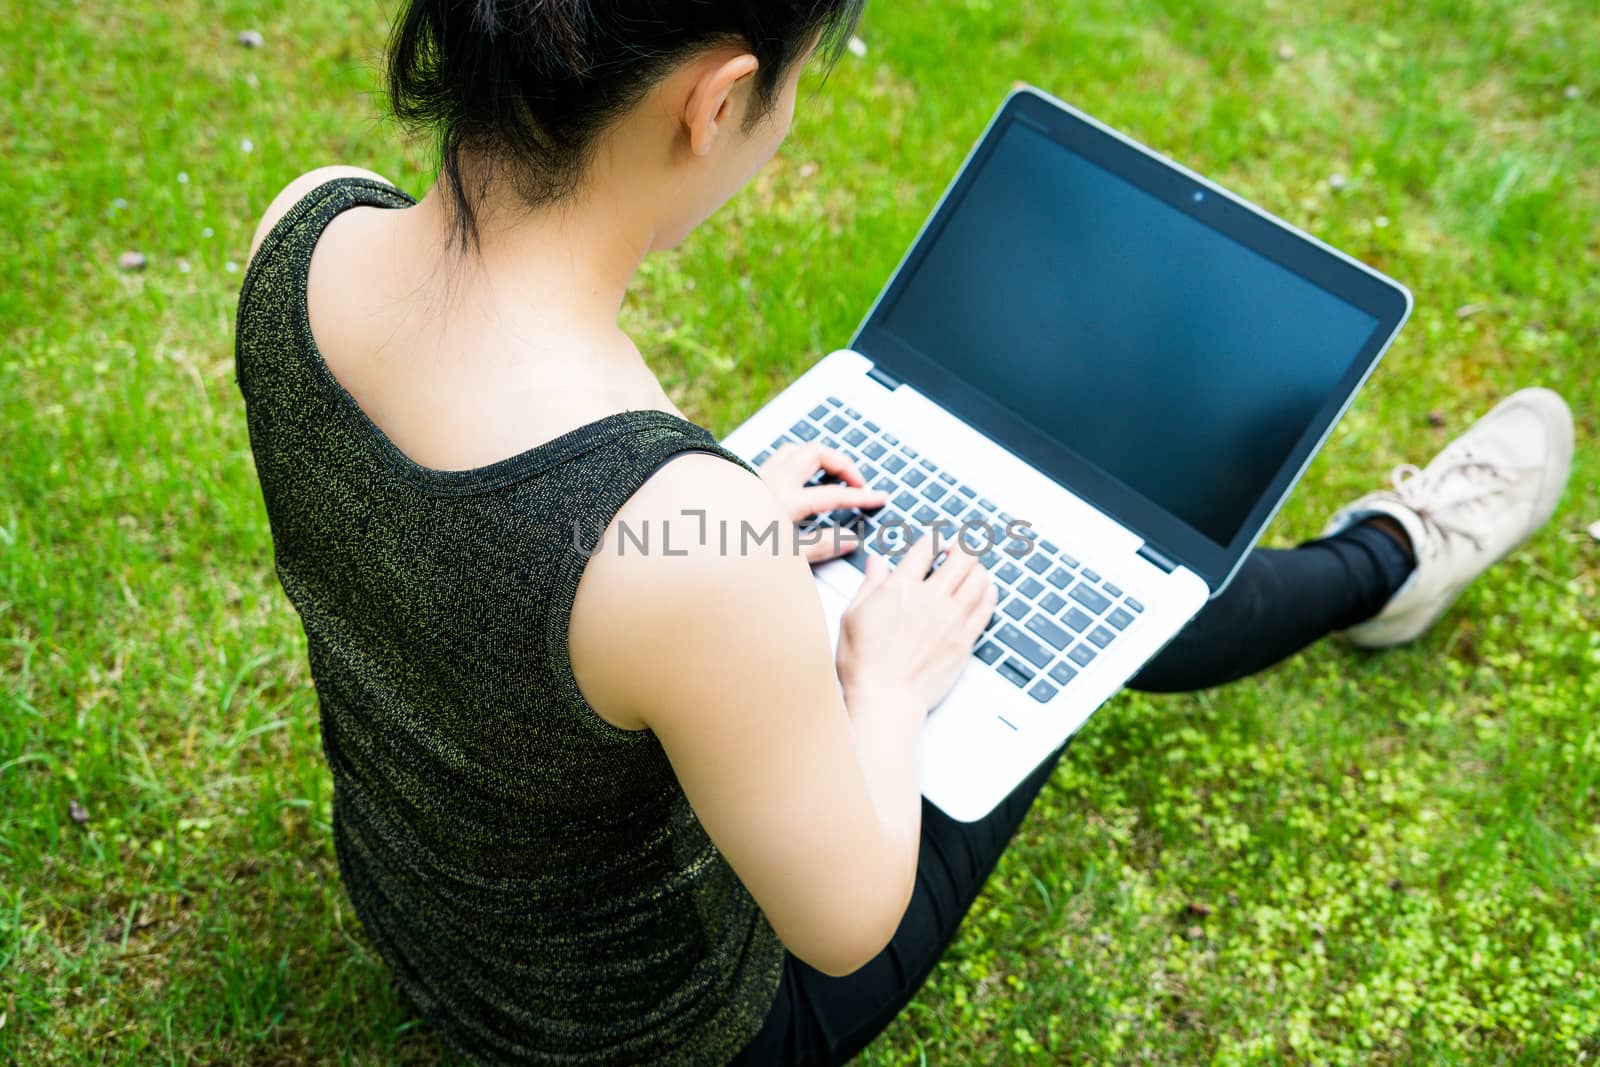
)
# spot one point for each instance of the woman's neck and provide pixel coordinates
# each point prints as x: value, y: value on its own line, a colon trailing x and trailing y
x: 576, y: 258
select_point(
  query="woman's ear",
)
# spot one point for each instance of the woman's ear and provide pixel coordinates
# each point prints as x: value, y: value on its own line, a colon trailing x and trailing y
x: 710, y: 104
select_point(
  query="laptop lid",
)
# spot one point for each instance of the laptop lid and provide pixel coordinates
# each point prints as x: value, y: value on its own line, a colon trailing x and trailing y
x: 1170, y: 352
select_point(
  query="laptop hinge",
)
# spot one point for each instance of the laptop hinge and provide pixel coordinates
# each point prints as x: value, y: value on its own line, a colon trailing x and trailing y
x: 877, y: 375
x: 1157, y: 558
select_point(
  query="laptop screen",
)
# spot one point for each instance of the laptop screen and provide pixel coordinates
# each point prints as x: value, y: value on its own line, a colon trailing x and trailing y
x: 1177, y: 361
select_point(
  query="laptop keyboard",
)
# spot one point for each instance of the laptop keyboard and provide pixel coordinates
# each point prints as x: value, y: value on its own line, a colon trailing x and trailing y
x: 1054, y: 615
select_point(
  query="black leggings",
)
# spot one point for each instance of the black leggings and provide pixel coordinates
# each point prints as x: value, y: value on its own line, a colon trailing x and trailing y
x: 1281, y: 601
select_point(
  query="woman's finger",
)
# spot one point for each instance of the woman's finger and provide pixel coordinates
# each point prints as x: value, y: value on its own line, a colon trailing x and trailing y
x: 877, y: 569
x: 958, y: 565
x: 913, y: 564
x: 982, y: 612
x: 839, y: 465
x: 791, y: 465
x: 821, y: 498
x: 830, y: 543
x: 795, y: 465
x: 972, y: 585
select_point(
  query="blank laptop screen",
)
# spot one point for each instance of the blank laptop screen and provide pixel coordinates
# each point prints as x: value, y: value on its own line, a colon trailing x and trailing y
x: 1171, y: 357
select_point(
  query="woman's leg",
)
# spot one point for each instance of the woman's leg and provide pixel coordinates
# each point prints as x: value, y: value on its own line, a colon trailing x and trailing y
x: 817, y: 1019
x: 1281, y: 601
x: 1478, y: 499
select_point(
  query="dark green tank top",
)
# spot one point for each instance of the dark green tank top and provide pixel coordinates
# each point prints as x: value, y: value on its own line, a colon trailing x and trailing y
x: 533, y: 876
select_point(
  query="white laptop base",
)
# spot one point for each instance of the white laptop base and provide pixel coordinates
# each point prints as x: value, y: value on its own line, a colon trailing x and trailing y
x: 989, y: 733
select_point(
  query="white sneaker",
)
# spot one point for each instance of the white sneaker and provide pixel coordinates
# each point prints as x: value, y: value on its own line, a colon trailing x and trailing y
x: 1480, y: 498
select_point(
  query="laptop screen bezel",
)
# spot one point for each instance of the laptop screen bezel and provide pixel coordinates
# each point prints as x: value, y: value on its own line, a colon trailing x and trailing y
x: 1384, y: 299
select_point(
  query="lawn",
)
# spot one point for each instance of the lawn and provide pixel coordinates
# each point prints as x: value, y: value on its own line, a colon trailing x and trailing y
x: 1351, y: 859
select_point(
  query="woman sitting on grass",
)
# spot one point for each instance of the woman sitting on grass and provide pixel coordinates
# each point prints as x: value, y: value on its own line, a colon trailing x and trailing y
x: 633, y: 808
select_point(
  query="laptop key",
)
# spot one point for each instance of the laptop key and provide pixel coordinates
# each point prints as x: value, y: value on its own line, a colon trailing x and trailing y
x: 1052, y: 603
x: 779, y: 441
x: 986, y: 504
x: 852, y: 412
x: 1017, y: 608
x: 868, y: 471
x: 818, y: 413
x: 905, y: 501
x: 874, y: 450
x: 1089, y: 598
x: 1110, y: 589
x: 947, y: 478
x: 1042, y: 691
x: 1134, y: 606
x: 967, y: 491
x: 954, y: 506
x: 1090, y: 576
x: 760, y: 459
x: 891, y: 537
x: 849, y: 519
x: 890, y: 439
x: 1119, y: 618
x: 1061, y: 674
x: 935, y: 492
x: 872, y: 427
x: 805, y: 431
x: 1048, y: 630
x: 855, y: 436
x: 836, y: 424
x: 915, y: 478
x: 1015, y: 673
x: 1008, y: 573
x: 1024, y: 646
x: 894, y: 464
x: 1081, y: 654
x: 1030, y: 588
x: 1060, y: 578
x: 1101, y: 636
x: 835, y: 401
x: 988, y: 652
x: 1077, y: 620
x: 925, y: 515
x: 1048, y: 548
x: 1038, y: 563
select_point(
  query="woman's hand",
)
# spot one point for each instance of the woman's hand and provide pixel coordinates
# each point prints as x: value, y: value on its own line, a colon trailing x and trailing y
x: 906, y: 634
x: 787, y: 473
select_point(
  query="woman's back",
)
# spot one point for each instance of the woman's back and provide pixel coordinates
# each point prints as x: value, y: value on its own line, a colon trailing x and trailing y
x: 533, y: 875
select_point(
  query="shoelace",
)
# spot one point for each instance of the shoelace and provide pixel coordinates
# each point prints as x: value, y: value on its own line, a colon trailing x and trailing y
x: 1441, y: 501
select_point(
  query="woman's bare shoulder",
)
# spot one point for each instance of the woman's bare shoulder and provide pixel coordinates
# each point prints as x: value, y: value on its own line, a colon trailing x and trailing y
x: 700, y: 559
x: 291, y: 194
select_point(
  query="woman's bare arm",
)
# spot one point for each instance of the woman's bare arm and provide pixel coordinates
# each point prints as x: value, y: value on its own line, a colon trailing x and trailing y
x: 809, y: 791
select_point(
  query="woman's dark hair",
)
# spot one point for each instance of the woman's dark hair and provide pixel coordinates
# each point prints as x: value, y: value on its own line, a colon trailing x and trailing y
x: 526, y: 86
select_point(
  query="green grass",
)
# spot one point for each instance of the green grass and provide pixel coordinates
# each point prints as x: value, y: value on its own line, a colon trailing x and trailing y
x: 1351, y: 859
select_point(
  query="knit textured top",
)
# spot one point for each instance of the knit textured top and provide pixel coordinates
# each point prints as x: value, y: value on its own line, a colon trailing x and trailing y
x: 533, y: 876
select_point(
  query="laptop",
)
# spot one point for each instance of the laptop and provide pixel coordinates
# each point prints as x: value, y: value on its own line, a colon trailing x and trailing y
x: 1101, y: 372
